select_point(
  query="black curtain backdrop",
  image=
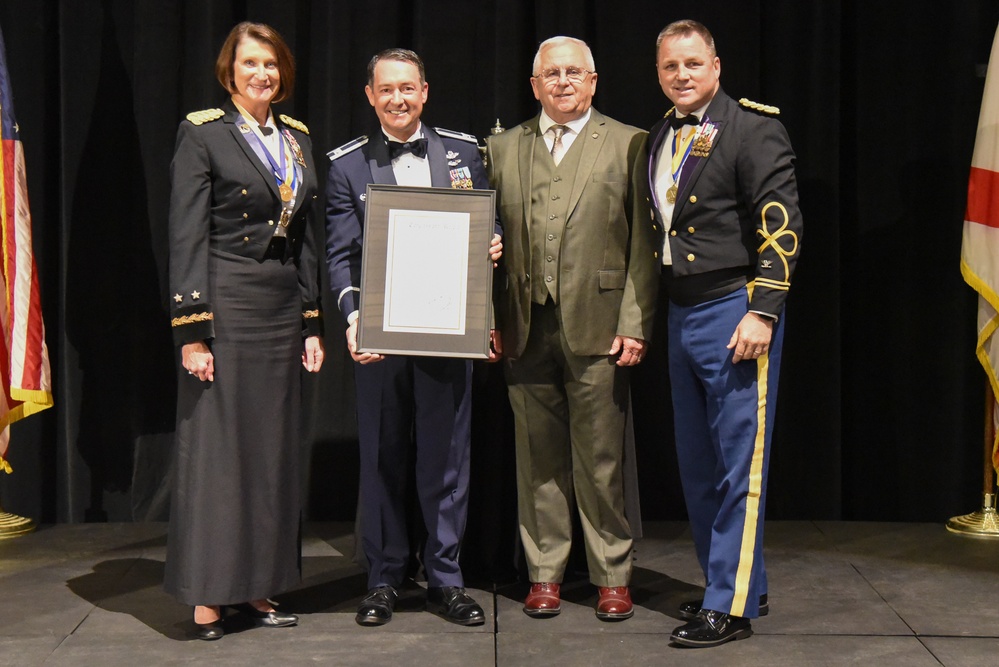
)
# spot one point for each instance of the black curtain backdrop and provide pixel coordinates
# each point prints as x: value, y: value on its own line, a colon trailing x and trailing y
x: 880, y: 413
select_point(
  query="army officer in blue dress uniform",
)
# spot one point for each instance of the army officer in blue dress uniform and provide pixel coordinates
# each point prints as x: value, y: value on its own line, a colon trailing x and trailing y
x: 245, y: 308
x: 409, y: 409
x: 722, y: 175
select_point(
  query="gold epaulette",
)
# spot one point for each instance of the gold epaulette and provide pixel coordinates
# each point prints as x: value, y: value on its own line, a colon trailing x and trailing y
x: 456, y: 135
x: 762, y: 108
x: 205, y: 116
x: 291, y: 122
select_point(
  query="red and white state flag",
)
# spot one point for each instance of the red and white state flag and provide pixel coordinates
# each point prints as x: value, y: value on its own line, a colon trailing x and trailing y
x: 24, y: 358
x: 980, y: 245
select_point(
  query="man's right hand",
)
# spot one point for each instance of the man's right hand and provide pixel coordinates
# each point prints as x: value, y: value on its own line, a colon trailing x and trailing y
x: 364, y: 357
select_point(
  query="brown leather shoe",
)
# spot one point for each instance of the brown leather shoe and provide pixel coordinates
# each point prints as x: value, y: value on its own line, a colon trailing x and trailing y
x: 615, y: 604
x: 543, y: 600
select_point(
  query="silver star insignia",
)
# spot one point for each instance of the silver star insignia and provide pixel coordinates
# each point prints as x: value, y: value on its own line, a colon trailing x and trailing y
x: 195, y: 295
x: 178, y: 298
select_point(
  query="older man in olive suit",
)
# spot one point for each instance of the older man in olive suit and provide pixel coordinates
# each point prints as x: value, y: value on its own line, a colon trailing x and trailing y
x: 575, y: 310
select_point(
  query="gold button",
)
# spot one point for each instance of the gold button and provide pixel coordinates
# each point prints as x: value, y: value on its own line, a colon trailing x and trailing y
x: 270, y: 222
x: 690, y: 229
x: 244, y: 191
x: 245, y: 216
x: 672, y: 232
x: 654, y: 228
x: 656, y: 255
x: 690, y: 257
x: 693, y: 199
x: 246, y: 239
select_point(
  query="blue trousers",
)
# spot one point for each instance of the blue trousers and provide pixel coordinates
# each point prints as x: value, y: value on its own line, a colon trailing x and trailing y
x: 413, y: 412
x: 724, y: 416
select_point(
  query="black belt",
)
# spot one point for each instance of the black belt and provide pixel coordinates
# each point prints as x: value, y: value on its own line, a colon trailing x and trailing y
x: 700, y: 288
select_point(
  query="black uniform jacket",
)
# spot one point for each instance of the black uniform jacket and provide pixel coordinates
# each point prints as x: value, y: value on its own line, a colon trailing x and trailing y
x: 737, y: 206
x: 225, y: 198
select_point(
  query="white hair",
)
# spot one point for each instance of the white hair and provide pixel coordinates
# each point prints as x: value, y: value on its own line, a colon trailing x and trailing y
x: 561, y: 40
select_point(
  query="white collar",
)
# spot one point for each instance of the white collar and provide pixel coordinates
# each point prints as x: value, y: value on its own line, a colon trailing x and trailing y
x: 576, y: 126
x: 418, y: 134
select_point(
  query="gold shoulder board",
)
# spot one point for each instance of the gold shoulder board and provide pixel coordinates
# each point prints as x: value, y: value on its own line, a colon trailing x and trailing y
x: 762, y: 108
x: 205, y: 116
x: 291, y: 122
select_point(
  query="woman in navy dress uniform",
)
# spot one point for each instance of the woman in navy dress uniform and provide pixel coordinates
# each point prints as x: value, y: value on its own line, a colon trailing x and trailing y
x: 244, y: 298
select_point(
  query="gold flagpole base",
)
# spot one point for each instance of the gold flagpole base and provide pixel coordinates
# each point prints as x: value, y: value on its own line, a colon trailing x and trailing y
x: 984, y: 523
x: 12, y: 525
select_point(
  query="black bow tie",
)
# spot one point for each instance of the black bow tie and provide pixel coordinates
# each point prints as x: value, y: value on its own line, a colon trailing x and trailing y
x: 417, y: 147
x: 676, y: 123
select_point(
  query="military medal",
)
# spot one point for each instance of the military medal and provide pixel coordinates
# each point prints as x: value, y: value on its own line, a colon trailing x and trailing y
x: 461, y: 178
x: 671, y: 194
x: 702, y: 142
x: 285, y: 191
x: 295, y: 148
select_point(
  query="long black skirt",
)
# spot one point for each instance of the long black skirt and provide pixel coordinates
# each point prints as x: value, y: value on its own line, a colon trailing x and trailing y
x: 235, y: 512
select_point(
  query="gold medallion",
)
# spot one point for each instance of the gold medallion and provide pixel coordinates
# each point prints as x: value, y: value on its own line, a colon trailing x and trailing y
x: 285, y: 191
x: 671, y: 194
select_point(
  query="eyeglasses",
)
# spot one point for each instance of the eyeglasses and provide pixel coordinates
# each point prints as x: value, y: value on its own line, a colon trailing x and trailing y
x: 554, y: 74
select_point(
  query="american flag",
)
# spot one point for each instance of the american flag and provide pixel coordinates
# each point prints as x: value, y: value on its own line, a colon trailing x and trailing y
x: 24, y: 357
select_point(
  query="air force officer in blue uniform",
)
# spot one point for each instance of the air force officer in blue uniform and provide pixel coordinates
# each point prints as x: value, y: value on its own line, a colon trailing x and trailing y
x: 722, y: 174
x: 404, y: 398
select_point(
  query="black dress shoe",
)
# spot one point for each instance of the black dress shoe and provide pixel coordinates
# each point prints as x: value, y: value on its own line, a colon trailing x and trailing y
x: 711, y: 628
x: 452, y: 604
x: 269, y: 619
x: 376, y: 607
x: 688, y: 610
x: 210, y: 631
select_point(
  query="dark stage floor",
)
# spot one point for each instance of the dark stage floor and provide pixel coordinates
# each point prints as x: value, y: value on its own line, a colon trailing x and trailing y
x: 840, y: 594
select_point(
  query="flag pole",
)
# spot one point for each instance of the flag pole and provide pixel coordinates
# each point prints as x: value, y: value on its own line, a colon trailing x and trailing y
x: 983, y: 523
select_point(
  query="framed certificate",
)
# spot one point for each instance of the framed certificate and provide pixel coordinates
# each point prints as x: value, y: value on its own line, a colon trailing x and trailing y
x: 426, y: 275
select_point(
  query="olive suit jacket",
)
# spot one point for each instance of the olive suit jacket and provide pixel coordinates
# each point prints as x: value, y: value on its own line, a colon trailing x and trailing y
x: 608, y: 260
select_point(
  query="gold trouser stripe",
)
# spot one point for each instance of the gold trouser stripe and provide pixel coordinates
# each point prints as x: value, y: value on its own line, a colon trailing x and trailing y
x: 748, y: 550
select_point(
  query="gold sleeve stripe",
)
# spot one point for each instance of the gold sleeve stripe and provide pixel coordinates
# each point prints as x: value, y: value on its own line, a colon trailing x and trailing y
x: 192, y: 319
x: 310, y: 314
x: 773, y: 284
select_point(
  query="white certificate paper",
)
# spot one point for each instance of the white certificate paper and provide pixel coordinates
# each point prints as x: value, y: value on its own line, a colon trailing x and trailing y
x: 426, y: 273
